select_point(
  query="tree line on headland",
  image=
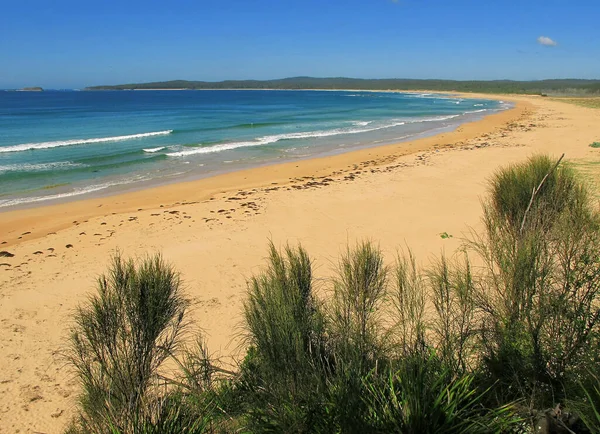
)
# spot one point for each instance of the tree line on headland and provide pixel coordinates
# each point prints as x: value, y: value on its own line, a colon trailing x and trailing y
x: 555, y: 87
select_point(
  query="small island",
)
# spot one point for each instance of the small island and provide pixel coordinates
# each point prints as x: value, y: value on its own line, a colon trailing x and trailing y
x: 31, y: 89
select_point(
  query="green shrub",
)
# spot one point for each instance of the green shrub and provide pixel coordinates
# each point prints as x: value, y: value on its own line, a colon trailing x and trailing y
x: 531, y: 194
x: 408, y: 300
x: 282, y: 318
x: 283, y: 375
x: 356, y: 332
x: 453, y: 326
x: 539, y: 289
x: 356, y: 306
x: 121, y: 338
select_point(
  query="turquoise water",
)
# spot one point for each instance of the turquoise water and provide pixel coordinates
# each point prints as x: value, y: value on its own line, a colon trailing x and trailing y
x: 58, y: 145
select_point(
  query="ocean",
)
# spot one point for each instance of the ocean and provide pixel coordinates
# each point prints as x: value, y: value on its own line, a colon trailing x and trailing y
x: 64, y: 145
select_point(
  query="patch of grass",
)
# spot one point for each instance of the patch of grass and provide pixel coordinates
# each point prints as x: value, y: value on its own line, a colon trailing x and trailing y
x: 445, y: 235
x: 588, y: 405
x: 422, y: 395
x: 589, y: 170
x: 591, y: 102
x: 595, y: 145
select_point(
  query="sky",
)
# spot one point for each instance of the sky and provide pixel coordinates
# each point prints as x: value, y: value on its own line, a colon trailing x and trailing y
x: 78, y: 43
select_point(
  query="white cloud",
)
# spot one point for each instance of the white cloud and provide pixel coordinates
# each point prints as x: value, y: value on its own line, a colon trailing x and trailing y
x: 545, y: 40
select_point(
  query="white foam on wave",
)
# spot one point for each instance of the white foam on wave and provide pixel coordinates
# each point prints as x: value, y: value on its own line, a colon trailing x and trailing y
x: 329, y: 133
x: 212, y: 149
x: 77, y: 192
x: 276, y: 138
x: 312, y: 134
x: 27, y: 167
x: 305, y: 135
x: 455, y: 100
x: 416, y: 94
x: 435, y: 118
x: 48, y: 145
x: 153, y: 150
x: 477, y: 105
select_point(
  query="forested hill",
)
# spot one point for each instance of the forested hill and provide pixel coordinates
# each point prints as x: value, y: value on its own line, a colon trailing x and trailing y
x: 562, y: 86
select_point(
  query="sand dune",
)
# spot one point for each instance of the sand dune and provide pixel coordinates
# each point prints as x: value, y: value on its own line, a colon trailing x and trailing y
x: 215, y: 231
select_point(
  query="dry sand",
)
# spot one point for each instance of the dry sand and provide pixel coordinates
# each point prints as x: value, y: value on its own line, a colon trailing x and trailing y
x: 215, y: 231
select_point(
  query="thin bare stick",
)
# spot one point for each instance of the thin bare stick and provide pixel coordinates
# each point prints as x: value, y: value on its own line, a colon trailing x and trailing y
x: 537, y: 190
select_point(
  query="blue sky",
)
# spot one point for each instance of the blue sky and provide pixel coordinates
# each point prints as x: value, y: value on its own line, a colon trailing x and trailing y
x: 71, y: 44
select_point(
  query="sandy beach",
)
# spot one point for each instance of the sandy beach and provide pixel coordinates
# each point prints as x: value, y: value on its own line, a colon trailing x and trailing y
x: 215, y: 232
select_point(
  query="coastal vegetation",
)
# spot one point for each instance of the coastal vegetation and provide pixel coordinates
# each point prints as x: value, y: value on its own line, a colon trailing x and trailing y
x: 593, y: 102
x: 500, y: 338
x: 541, y: 87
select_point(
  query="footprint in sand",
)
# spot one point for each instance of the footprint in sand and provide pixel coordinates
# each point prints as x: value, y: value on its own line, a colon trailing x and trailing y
x: 18, y: 328
x: 31, y: 393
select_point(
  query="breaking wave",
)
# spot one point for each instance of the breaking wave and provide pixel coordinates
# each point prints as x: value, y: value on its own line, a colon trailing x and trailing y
x: 48, y: 145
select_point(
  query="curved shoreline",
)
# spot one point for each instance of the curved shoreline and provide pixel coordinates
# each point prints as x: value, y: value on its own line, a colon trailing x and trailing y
x: 218, y: 243
x: 47, y: 218
x: 66, y: 174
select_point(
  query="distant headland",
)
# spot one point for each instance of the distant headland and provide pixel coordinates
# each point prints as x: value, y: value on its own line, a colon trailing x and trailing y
x: 32, y: 89
x: 541, y: 87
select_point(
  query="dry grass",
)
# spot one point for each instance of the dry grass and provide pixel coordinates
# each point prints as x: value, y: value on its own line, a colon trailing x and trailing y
x: 590, y: 171
x: 590, y: 102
